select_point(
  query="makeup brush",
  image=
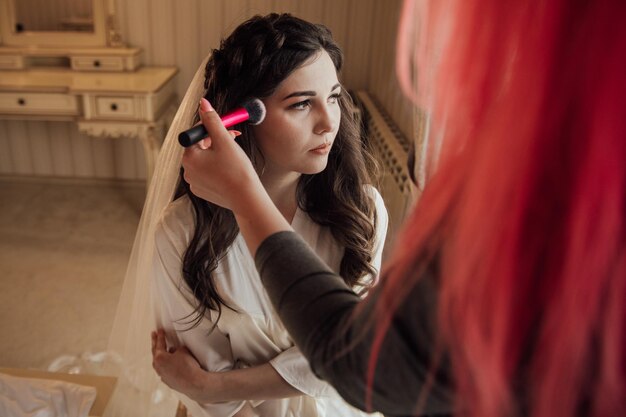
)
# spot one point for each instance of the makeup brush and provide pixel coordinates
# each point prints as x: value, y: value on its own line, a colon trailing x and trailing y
x: 252, y: 110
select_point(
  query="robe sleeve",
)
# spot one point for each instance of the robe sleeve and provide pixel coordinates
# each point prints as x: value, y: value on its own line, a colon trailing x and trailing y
x: 174, y: 306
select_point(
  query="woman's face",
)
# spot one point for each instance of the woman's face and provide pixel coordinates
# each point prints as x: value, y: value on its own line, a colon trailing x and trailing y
x: 302, y: 119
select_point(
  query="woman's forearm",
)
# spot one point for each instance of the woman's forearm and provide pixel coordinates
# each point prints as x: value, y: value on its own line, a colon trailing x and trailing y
x: 256, y: 383
x: 319, y: 310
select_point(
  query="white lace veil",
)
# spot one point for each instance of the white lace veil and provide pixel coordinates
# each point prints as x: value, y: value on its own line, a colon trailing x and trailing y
x: 139, y: 391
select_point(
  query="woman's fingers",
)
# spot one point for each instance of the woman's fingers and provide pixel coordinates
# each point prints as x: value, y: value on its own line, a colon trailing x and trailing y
x: 153, y: 339
x: 212, y: 122
x: 161, y: 344
x: 206, y: 142
x: 158, y: 349
x: 217, y: 170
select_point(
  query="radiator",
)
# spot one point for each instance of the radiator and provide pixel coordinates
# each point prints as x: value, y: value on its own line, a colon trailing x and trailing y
x: 391, y: 148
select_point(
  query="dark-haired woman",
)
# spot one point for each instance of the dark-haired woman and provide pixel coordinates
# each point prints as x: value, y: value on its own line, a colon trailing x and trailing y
x: 504, y: 295
x: 228, y: 351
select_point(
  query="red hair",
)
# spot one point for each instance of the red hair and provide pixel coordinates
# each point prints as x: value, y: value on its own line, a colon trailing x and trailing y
x: 525, y: 214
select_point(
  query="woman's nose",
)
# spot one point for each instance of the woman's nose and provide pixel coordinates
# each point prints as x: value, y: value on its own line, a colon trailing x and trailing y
x: 327, y: 120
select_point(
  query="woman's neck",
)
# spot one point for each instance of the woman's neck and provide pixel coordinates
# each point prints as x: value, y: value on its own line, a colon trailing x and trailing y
x: 282, y: 190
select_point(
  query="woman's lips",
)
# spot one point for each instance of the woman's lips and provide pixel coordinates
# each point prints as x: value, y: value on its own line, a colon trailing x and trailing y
x: 322, y: 149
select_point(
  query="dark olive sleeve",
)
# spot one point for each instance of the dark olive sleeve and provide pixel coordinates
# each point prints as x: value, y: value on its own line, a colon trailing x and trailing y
x: 318, y: 310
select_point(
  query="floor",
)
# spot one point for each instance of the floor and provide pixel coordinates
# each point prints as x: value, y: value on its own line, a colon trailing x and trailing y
x: 63, y: 254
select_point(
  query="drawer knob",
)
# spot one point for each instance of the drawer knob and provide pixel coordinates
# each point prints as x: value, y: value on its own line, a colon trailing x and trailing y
x: 21, y: 101
x: 114, y: 107
x: 96, y: 63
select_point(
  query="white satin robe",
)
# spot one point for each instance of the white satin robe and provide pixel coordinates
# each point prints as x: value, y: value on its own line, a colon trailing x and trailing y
x: 253, y: 334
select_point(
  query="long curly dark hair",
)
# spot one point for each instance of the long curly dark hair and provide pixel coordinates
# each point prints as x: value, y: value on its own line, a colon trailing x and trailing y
x: 252, y: 62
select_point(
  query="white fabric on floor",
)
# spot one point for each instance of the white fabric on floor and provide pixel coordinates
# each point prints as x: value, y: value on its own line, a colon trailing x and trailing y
x: 30, y: 397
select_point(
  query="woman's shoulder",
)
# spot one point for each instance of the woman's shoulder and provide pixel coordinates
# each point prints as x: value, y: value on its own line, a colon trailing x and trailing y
x: 379, y: 203
x: 177, y: 220
x: 375, y: 195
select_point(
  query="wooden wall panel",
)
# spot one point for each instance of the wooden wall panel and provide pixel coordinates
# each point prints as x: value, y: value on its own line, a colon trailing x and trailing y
x: 286, y: 6
x: 162, y: 32
x: 60, y: 146
x: 40, y: 148
x: 124, y: 158
x: 181, y: 33
x: 21, y: 152
x: 234, y: 12
x: 209, y: 32
x: 336, y: 16
x: 103, y: 157
x: 261, y: 7
x: 140, y: 162
x: 357, y: 50
x: 382, y: 81
x: 311, y: 11
x: 82, y: 154
x: 188, y: 25
x: 6, y: 157
x: 138, y: 28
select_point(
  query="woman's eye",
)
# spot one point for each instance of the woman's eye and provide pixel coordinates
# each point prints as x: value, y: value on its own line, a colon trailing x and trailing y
x: 301, y: 105
x: 334, y: 98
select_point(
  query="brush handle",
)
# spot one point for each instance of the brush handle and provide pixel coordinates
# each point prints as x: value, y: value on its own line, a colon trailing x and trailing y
x: 199, y: 132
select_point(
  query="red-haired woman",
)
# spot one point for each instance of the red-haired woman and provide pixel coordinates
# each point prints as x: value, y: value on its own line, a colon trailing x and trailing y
x: 506, y: 293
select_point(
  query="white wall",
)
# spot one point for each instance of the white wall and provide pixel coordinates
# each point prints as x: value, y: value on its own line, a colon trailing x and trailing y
x: 180, y: 33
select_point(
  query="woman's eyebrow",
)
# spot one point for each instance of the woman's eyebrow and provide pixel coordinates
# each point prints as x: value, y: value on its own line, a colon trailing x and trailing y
x: 308, y: 93
x: 300, y: 93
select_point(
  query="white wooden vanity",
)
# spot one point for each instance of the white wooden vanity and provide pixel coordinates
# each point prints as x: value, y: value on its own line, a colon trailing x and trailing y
x: 87, y: 77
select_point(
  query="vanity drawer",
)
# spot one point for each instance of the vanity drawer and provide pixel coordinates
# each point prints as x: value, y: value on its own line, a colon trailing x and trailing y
x: 11, y: 62
x: 113, y: 107
x: 116, y: 107
x: 39, y: 103
x: 95, y: 63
